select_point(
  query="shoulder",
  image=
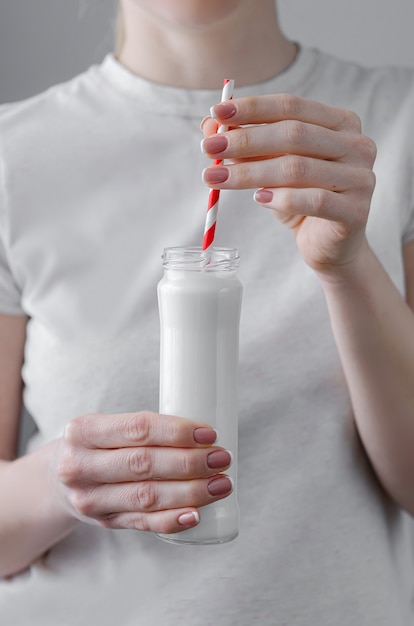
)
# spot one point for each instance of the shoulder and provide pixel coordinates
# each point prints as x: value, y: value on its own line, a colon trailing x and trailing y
x: 46, y: 133
x: 349, y: 72
x: 376, y: 92
x: 49, y: 111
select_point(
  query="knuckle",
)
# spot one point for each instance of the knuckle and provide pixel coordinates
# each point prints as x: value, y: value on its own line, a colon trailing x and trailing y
x: 353, y: 120
x: 243, y: 140
x: 349, y: 120
x: 250, y: 107
x: 295, y: 168
x: 139, y: 462
x: 171, y: 429
x: 80, y: 430
x: 296, y: 132
x: 112, y: 522
x: 140, y: 521
x: 290, y: 106
x: 364, y: 180
x: 144, y: 497
x: 241, y: 173
x: 136, y: 427
x: 362, y: 147
x: 370, y: 180
x: 319, y: 201
x: 368, y: 148
x: 74, y: 429
x: 68, y: 469
x: 189, y: 463
x: 83, y: 502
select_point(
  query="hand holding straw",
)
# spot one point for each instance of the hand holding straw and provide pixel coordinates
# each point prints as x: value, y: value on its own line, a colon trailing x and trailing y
x: 213, y: 198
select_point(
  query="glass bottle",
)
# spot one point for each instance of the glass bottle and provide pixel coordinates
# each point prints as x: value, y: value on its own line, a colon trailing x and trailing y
x: 199, y: 301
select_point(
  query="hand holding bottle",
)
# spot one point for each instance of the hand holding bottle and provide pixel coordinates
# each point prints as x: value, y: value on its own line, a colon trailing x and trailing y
x: 140, y: 471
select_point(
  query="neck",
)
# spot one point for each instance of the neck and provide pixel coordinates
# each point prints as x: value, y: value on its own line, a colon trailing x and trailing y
x: 246, y: 45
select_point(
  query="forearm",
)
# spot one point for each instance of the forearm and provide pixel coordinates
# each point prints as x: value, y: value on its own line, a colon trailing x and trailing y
x: 31, y: 518
x: 374, y: 331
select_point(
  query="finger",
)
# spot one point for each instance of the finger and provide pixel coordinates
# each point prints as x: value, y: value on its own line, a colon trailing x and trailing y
x: 149, y: 495
x: 277, y: 107
x: 210, y: 127
x: 165, y: 522
x: 287, y: 171
x: 143, y: 463
x: 291, y: 137
x: 137, y: 429
x: 289, y: 204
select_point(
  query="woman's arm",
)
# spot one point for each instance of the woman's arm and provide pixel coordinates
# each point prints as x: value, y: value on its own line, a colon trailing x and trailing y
x: 12, y: 340
x: 313, y: 168
x: 141, y: 471
x: 32, y: 517
x: 29, y: 519
x: 374, y: 331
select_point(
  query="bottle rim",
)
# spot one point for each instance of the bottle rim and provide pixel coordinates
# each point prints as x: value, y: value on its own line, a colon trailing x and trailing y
x: 194, y: 258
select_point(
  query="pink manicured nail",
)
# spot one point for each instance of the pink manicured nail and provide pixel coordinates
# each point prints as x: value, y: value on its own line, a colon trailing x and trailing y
x: 263, y: 196
x: 207, y: 117
x: 189, y: 519
x: 214, y: 145
x: 219, y: 486
x: 223, y: 110
x: 215, y: 174
x: 205, y: 435
x: 219, y: 458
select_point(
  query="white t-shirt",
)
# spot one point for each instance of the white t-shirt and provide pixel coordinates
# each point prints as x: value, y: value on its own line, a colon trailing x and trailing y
x: 98, y: 175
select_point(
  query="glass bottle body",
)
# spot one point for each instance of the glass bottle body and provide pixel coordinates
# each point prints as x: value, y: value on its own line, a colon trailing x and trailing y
x: 199, y: 303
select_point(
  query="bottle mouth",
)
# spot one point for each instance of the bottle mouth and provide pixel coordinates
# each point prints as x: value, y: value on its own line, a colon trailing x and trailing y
x: 194, y: 258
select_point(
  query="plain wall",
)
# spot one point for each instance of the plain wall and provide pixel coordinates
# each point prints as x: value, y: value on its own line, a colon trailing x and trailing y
x: 43, y: 42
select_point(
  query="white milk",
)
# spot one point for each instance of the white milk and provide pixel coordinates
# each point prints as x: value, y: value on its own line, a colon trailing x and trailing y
x: 199, y: 302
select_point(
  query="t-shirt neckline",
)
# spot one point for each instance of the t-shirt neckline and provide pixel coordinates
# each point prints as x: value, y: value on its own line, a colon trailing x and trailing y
x: 195, y: 102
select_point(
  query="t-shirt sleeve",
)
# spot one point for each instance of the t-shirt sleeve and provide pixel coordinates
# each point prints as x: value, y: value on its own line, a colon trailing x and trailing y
x: 408, y: 226
x: 408, y: 232
x: 10, y: 296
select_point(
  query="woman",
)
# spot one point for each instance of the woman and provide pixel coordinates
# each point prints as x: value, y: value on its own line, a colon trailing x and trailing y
x: 98, y: 176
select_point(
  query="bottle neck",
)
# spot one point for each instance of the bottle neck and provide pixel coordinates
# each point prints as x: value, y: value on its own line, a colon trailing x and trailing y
x: 196, y: 259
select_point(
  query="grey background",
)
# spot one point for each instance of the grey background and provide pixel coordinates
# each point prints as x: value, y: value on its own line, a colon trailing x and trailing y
x: 47, y: 41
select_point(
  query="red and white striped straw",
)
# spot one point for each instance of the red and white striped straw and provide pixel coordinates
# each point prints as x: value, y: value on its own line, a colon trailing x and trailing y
x: 213, y: 198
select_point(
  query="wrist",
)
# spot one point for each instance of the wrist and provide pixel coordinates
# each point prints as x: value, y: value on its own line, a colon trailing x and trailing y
x: 353, y: 273
x: 56, y: 500
x: 33, y: 517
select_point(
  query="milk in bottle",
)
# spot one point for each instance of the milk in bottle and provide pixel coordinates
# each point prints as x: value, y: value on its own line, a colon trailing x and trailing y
x: 199, y: 304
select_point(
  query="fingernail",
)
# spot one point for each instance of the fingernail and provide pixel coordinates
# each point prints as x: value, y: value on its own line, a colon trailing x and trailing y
x: 203, y: 121
x: 205, y: 435
x: 219, y: 458
x: 216, y: 174
x: 223, y: 111
x: 219, y: 486
x: 68, y: 431
x: 214, y: 145
x: 189, y: 519
x: 263, y: 196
